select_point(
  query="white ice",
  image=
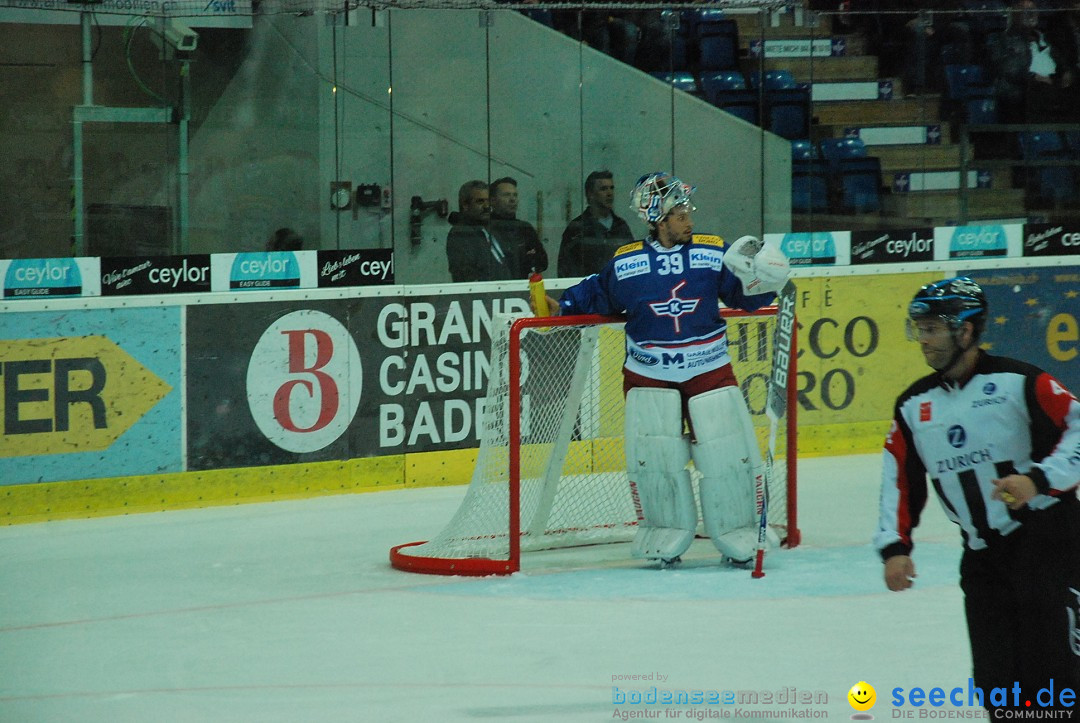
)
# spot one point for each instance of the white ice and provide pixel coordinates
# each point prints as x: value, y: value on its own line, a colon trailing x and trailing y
x: 289, y: 611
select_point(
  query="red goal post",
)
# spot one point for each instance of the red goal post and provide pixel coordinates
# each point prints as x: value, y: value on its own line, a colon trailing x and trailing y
x: 550, y: 470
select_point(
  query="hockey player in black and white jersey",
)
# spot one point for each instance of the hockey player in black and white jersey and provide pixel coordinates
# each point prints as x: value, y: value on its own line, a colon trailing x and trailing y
x: 678, y: 369
x: 999, y: 440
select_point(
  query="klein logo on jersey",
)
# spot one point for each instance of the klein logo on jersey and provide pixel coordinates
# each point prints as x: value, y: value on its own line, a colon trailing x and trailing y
x: 989, y: 402
x: 633, y: 266
x: 924, y: 412
x: 706, y: 259
x: 674, y: 306
x: 957, y: 436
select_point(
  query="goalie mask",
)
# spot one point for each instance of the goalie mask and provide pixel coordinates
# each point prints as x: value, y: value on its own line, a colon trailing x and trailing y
x: 953, y: 301
x: 656, y: 194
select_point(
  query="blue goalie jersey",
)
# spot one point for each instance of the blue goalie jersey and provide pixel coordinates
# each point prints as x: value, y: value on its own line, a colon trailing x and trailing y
x: 674, y: 330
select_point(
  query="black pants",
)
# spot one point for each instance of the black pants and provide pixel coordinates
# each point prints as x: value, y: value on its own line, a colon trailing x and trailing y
x: 1022, y: 600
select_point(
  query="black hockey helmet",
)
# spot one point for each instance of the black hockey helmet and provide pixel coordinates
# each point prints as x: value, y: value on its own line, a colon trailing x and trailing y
x: 954, y: 301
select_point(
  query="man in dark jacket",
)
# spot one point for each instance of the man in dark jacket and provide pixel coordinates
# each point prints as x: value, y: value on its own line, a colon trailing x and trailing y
x: 592, y: 238
x: 524, y: 251
x: 473, y: 253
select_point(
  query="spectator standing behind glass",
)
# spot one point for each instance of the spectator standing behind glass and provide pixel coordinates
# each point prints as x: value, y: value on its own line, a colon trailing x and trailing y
x: 1034, y: 66
x: 285, y: 239
x: 590, y: 239
x: 473, y: 253
x: 909, y: 36
x: 524, y: 251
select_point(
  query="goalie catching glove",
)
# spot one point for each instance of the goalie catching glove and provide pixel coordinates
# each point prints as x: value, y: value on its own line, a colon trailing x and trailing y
x: 761, y: 267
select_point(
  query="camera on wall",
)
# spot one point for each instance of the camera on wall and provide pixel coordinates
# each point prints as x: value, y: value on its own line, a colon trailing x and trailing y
x: 176, y: 36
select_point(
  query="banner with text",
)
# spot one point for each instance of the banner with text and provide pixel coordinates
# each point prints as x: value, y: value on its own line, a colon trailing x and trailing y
x: 90, y: 393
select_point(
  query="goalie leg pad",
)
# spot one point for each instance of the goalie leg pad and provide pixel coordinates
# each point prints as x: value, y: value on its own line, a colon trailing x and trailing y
x: 729, y: 459
x: 657, y: 453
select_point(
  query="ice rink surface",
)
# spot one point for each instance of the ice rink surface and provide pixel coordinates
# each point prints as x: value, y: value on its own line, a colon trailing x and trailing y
x: 289, y: 611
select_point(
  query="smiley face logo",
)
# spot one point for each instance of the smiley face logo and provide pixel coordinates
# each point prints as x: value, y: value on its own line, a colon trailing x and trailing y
x: 862, y: 696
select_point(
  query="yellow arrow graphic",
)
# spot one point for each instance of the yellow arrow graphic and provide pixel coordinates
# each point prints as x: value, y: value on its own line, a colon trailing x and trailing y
x: 76, y: 394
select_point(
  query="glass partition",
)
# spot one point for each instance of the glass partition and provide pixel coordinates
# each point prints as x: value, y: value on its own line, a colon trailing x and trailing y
x: 320, y: 128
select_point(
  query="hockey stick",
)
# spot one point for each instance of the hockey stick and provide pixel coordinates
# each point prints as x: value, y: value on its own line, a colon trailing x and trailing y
x: 775, y: 407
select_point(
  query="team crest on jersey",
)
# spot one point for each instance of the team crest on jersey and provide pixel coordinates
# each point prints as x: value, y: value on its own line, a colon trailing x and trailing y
x: 924, y: 412
x: 674, y: 306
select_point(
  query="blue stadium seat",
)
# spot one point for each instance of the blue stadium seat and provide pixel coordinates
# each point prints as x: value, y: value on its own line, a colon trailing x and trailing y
x: 969, y: 95
x: 837, y: 148
x: 717, y: 43
x: 965, y: 81
x: 679, y: 79
x: 788, y: 112
x: 980, y: 110
x: 741, y: 102
x: 809, y: 186
x: 986, y: 16
x: 774, y: 80
x: 721, y: 80
x: 544, y: 17
x: 1051, y: 185
x: 859, y: 185
x: 802, y: 150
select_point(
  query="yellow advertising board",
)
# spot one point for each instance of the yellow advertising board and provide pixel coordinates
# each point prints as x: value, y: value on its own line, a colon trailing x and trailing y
x: 71, y: 394
x: 854, y: 358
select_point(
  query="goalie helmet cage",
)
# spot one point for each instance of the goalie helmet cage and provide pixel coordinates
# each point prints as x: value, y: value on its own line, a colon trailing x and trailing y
x: 550, y: 471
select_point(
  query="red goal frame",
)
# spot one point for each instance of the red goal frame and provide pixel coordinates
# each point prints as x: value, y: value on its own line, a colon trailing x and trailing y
x: 480, y: 566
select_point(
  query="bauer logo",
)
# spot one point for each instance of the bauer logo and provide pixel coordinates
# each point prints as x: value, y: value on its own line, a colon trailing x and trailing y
x: 155, y: 274
x: 1045, y: 239
x: 975, y: 241
x: 806, y: 249
x: 635, y: 265
x: 875, y: 247
x: 42, y: 277
x: 265, y: 270
x: 304, y: 381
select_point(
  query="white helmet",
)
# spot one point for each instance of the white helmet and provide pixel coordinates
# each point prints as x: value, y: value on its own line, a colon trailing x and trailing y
x: 656, y: 194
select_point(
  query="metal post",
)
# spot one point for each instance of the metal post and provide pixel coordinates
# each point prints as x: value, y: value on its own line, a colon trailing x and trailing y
x: 78, y: 200
x: 963, y: 174
x: 182, y: 170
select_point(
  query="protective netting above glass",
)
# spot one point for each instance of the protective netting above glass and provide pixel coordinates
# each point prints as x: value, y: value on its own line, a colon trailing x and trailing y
x: 219, y: 8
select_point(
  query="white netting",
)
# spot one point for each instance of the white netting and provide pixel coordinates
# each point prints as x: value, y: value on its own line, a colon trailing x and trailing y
x: 573, y: 488
x: 216, y: 9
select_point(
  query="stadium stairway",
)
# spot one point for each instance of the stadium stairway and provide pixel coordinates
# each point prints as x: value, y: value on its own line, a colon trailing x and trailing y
x: 920, y: 159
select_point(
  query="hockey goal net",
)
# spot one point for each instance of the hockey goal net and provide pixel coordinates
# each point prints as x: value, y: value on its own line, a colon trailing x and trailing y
x: 550, y: 470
